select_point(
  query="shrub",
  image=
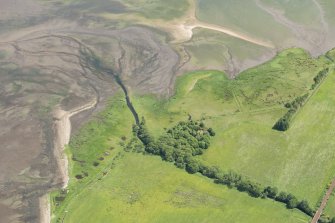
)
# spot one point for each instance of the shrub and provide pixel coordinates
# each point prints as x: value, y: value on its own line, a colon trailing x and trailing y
x: 210, y: 172
x: 304, y: 207
x: 270, y: 192
x: 178, y: 144
x: 192, y: 166
x: 292, y: 203
x: 79, y: 176
x: 282, y: 197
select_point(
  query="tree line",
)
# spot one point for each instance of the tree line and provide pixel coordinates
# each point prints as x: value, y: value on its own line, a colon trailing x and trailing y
x: 283, y: 123
x: 319, y: 77
x: 234, y: 180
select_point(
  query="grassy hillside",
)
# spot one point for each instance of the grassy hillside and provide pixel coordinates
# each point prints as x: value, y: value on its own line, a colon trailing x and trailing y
x: 94, y: 150
x: 243, y: 111
x: 330, y: 208
x: 129, y: 187
x: 145, y: 189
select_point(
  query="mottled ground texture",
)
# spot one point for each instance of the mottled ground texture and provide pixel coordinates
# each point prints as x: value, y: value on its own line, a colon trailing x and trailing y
x: 42, y: 67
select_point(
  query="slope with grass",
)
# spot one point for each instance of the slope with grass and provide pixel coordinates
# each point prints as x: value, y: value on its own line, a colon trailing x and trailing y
x: 93, y: 150
x: 108, y: 183
x: 143, y: 189
x: 243, y: 111
x: 130, y: 187
x: 330, y: 208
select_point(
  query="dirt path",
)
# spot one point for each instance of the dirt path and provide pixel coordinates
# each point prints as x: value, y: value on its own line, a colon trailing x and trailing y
x: 45, y: 210
x: 324, y: 202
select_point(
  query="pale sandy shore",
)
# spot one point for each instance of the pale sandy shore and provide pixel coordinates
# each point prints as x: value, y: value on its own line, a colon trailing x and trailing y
x: 62, y: 137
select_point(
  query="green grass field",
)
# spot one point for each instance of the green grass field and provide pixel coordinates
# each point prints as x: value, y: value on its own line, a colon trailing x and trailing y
x: 145, y: 189
x: 98, y: 142
x: 129, y: 187
x: 330, y: 208
x: 243, y: 111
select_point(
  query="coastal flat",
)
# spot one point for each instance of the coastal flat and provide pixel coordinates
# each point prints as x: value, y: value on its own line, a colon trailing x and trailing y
x: 77, y: 75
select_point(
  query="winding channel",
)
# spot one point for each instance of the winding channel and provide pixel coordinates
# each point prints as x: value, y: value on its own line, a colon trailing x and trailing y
x: 125, y: 91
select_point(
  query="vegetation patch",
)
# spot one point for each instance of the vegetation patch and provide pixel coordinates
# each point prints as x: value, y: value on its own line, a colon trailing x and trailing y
x: 318, y: 78
x: 284, y: 122
x: 188, y: 139
x: 142, y: 188
x: 242, y: 112
x: 179, y: 144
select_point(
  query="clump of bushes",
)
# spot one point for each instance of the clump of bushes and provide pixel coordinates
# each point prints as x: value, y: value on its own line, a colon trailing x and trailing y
x: 79, y: 176
x: 179, y: 144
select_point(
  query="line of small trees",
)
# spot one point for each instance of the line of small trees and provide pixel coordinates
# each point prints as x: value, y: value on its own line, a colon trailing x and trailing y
x: 182, y: 143
x: 242, y: 184
x: 283, y: 123
x: 319, y: 77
